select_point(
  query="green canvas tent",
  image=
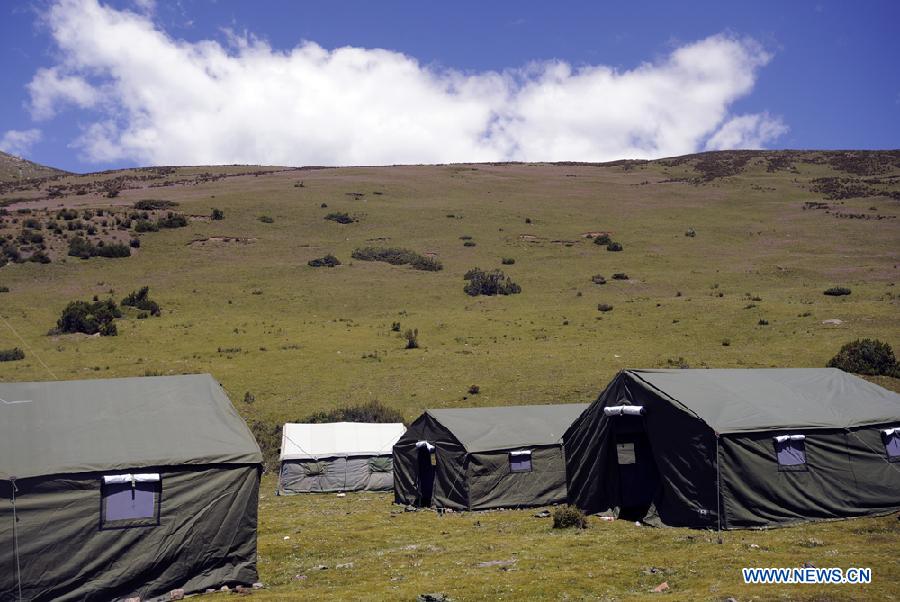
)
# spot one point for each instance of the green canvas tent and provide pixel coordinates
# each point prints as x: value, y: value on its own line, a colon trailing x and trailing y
x: 124, y: 487
x: 737, y: 448
x: 480, y: 458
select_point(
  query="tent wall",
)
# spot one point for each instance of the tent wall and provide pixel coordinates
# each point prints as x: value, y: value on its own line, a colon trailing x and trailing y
x: 847, y: 475
x: 491, y: 484
x: 450, y: 487
x: 356, y: 473
x: 683, y: 450
x: 206, y: 536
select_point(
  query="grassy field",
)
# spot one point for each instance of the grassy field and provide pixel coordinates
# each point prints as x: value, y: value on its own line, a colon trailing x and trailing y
x: 240, y: 302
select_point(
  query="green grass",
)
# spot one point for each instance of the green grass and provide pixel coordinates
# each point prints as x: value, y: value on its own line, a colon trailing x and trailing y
x: 302, y: 339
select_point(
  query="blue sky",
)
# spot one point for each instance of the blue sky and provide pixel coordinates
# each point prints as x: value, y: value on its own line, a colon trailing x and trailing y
x: 203, y: 81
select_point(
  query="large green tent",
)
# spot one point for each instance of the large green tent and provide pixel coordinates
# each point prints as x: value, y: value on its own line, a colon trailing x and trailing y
x: 480, y: 458
x: 737, y: 448
x: 124, y: 487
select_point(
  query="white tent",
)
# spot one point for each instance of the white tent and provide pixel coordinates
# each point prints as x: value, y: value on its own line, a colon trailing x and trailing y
x: 337, y: 456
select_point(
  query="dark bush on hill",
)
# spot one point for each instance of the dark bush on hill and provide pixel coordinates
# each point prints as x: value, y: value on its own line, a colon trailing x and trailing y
x: 614, y: 246
x: 508, y: 261
x: 11, y: 355
x: 604, y: 307
x: 371, y: 411
x: 144, y: 225
x: 173, y: 220
x: 153, y: 204
x: 268, y: 436
x: 837, y: 291
x: 569, y: 517
x: 866, y: 356
x: 66, y: 214
x: 217, y: 214
x: 30, y: 237
x: 135, y: 243
x: 620, y: 276
x: 266, y: 219
x: 89, y: 318
x: 490, y: 283
x: 340, y: 217
x: 602, y: 239
x: 140, y: 299
x: 80, y: 247
x: 398, y: 256
x: 32, y: 223
x: 598, y: 279
x: 329, y: 261
x: 39, y: 257
x: 113, y: 250
x: 85, y: 249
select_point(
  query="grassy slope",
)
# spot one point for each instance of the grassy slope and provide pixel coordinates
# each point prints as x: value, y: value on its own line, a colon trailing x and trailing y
x: 16, y: 168
x: 303, y: 332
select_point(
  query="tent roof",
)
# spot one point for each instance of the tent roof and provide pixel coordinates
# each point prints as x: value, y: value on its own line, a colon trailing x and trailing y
x: 118, y: 424
x: 746, y: 400
x: 506, y: 427
x: 338, y: 439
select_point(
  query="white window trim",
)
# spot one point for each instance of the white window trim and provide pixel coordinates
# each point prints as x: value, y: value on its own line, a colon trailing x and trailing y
x: 623, y: 410
x: 783, y: 438
x: 147, y: 477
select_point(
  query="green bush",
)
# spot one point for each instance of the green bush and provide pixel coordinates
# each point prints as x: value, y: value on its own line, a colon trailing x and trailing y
x: 153, y: 204
x: 217, y: 214
x: 598, y: 279
x: 620, y: 276
x: 329, y: 261
x: 866, y: 356
x: 569, y: 517
x: 371, y: 411
x: 11, y: 355
x: 140, y: 299
x: 145, y: 225
x: 837, y: 291
x: 266, y: 219
x: 30, y: 237
x: 135, y: 243
x: 494, y: 282
x: 89, y: 317
x: 113, y: 250
x: 469, y: 243
x: 268, y: 436
x: 66, y: 214
x: 614, y: 246
x: 602, y: 239
x: 604, y: 307
x: 172, y: 220
x: 39, y: 257
x: 340, y: 217
x: 80, y: 247
x: 32, y: 223
x: 412, y: 338
x: 508, y: 261
x: 4, y: 289
x: 397, y: 256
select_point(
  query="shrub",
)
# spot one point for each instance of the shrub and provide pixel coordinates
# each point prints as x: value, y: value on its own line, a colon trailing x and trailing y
x: 598, y: 279
x: 32, y: 223
x: 614, y: 246
x: 39, y: 257
x: 602, y: 239
x: 340, y: 217
x: 398, y: 256
x: 217, y: 214
x: 268, y: 436
x: 135, y: 243
x: 620, y: 276
x: 395, y: 327
x: 153, y: 204
x: 89, y: 317
x: 690, y: 233
x: 837, y: 291
x: 866, y: 356
x: 4, y: 289
x: 508, y: 261
x: 569, y: 517
x: 474, y: 390
x: 144, y: 225
x: 328, y: 261
x: 249, y: 398
x: 11, y: 355
x: 28, y: 237
x: 113, y: 250
x: 371, y: 411
x: 266, y: 219
x: 173, y: 220
x: 604, y: 307
x: 80, y: 247
x: 140, y: 299
x: 763, y: 322
x: 469, y: 243
x: 494, y: 282
x: 66, y: 214
x: 412, y: 338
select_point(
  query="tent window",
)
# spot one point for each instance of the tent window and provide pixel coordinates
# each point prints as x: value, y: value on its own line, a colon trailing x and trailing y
x: 891, y: 439
x: 380, y: 464
x: 791, y: 452
x: 625, y: 452
x: 520, y: 461
x: 130, y: 500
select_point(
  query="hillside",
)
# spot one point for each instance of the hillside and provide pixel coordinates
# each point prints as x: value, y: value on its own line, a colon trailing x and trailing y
x: 725, y: 258
x: 14, y: 168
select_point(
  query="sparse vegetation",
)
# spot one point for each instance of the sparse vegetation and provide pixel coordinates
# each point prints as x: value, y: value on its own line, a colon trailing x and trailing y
x: 266, y: 219
x: 89, y: 318
x: 398, y: 256
x: 328, y: 261
x: 172, y: 220
x: 598, y: 279
x: 602, y: 239
x: 412, y: 338
x: 620, y: 276
x: 866, y: 356
x: 217, y: 214
x: 340, y: 217
x: 474, y: 390
x: 837, y: 291
x: 614, y: 246
x: 494, y: 282
x: 11, y: 355
x: 604, y: 307
x: 153, y: 204
x: 508, y: 261
x: 569, y: 517
x: 140, y: 299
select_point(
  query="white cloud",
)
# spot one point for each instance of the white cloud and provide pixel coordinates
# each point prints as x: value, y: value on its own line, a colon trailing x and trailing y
x: 19, y: 142
x: 167, y: 101
x: 748, y: 132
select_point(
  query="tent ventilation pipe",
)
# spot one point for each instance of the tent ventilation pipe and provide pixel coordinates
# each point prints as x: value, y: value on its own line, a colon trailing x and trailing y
x: 12, y: 482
